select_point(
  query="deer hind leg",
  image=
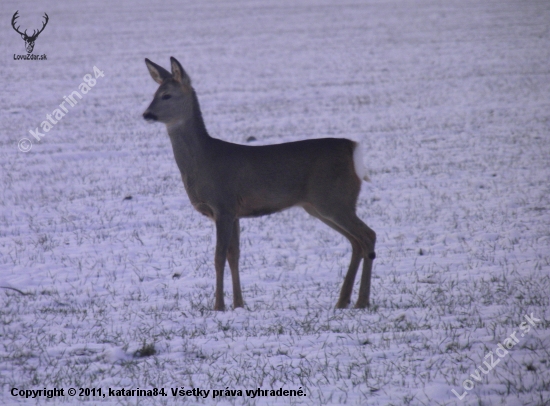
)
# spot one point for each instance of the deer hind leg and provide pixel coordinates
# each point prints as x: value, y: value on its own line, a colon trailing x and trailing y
x: 347, y: 287
x: 224, y: 229
x: 356, y: 256
x: 364, y: 289
x: 351, y: 226
x: 367, y: 240
x: 233, y: 254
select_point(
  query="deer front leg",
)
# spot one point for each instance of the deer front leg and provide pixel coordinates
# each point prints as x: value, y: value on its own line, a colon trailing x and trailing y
x: 224, y: 228
x: 233, y: 254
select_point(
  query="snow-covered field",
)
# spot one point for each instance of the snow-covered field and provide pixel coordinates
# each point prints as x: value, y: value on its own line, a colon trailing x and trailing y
x: 451, y: 101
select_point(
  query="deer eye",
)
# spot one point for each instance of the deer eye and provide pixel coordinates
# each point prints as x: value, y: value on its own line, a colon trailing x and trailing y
x: 166, y: 96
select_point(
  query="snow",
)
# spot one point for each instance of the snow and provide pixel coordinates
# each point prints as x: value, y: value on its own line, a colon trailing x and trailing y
x: 450, y: 101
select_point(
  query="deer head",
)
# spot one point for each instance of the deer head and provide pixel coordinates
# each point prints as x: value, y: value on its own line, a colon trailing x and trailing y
x: 29, y: 40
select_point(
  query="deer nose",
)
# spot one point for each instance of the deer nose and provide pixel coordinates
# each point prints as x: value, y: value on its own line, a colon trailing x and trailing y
x: 150, y: 117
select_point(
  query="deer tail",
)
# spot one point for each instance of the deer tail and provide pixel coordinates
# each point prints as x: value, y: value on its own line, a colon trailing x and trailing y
x: 358, y: 163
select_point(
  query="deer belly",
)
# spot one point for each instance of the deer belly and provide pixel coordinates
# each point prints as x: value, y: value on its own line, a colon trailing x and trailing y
x: 262, y: 206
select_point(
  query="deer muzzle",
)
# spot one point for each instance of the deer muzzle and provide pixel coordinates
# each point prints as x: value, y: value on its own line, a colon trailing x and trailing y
x: 150, y: 117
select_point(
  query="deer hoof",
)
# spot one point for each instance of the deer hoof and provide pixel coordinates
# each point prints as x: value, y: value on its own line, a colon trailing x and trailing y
x: 342, y: 304
x: 362, y: 305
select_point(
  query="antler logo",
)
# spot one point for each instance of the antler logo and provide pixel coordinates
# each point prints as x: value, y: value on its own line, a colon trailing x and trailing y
x: 29, y: 40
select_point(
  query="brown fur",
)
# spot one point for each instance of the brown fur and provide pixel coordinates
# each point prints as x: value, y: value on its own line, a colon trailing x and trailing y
x: 227, y: 181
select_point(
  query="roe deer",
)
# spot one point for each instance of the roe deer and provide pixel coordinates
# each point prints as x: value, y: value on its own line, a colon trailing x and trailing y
x: 226, y: 181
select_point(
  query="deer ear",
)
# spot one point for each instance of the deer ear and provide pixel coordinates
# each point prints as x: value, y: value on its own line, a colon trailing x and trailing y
x: 179, y: 73
x: 158, y: 73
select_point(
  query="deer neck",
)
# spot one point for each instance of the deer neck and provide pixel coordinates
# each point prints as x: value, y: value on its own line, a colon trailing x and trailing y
x: 189, y: 140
